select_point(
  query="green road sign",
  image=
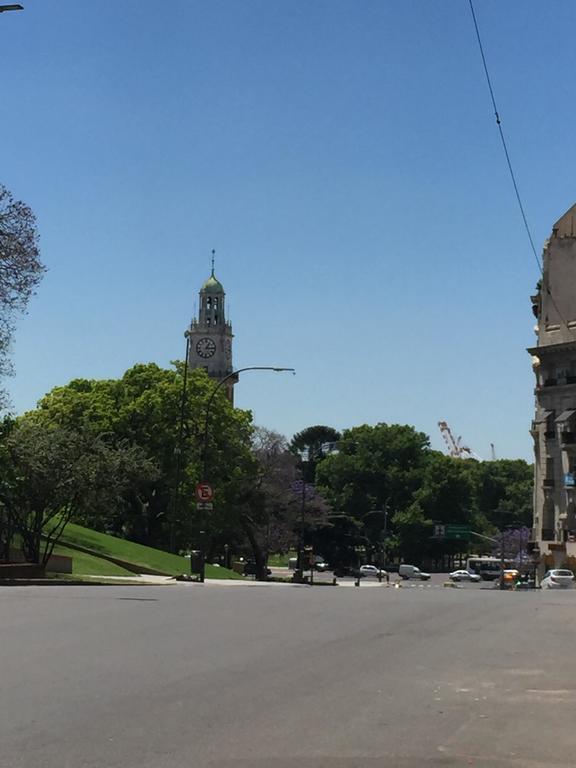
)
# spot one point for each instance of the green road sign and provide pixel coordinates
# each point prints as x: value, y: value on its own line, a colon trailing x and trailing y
x: 457, y: 531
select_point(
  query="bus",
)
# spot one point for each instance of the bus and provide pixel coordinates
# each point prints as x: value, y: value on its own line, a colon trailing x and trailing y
x: 488, y: 568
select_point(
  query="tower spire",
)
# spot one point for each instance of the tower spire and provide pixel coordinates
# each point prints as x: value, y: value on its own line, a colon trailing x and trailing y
x: 213, y: 255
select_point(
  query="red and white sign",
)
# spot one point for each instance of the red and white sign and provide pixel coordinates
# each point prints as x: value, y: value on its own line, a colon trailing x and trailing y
x: 204, y: 492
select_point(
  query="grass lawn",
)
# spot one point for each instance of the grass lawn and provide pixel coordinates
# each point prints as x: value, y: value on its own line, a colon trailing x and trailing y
x: 146, y: 558
x: 280, y: 561
x: 84, y: 564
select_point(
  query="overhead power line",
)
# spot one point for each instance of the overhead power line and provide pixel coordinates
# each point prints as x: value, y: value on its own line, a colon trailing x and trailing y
x: 510, y: 168
x: 503, y: 139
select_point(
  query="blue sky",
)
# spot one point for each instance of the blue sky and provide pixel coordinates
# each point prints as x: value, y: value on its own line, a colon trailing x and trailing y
x: 342, y: 158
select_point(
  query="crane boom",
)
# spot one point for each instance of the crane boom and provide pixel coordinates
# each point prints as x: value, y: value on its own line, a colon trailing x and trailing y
x: 455, y: 447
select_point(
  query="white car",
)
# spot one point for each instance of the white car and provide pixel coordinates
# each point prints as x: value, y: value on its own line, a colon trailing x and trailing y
x: 371, y: 570
x: 463, y: 576
x: 406, y: 571
x: 558, y: 578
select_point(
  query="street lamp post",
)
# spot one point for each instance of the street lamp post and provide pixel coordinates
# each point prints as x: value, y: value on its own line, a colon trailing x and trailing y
x: 179, y: 447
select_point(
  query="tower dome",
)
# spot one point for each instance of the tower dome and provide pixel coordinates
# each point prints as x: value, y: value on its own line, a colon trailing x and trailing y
x: 212, y: 285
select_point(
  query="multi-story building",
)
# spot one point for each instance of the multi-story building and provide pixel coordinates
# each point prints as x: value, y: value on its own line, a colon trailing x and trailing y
x: 210, y: 335
x: 554, y: 425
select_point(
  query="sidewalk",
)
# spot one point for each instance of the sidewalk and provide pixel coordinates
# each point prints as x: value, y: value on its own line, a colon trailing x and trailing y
x: 136, y: 578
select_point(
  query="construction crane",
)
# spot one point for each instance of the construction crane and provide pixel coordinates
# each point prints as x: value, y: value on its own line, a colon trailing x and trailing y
x: 455, y: 447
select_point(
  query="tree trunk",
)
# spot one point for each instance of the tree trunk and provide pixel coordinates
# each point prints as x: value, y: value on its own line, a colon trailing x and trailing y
x: 261, y: 570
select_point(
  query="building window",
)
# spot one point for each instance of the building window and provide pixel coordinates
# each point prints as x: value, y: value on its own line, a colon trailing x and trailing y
x: 548, y: 520
x: 550, y: 428
x: 215, y: 304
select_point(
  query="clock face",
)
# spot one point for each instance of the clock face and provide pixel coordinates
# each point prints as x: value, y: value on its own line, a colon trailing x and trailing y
x: 205, y: 348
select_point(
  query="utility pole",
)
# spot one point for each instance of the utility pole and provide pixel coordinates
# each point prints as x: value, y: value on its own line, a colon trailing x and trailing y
x: 301, y: 531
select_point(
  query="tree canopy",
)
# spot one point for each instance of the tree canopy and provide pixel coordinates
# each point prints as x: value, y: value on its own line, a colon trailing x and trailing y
x: 20, y: 267
x: 387, y: 488
x: 143, y: 408
x: 52, y: 475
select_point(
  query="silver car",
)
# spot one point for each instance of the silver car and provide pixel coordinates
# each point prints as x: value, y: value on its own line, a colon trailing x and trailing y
x: 463, y: 576
x: 371, y: 570
x: 558, y: 578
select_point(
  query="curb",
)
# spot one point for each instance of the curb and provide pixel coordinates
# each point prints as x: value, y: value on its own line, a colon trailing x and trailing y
x: 74, y: 583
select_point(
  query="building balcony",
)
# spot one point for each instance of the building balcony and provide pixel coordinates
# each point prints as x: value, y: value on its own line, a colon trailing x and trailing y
x: 568, y: 438
x: 548, y: 534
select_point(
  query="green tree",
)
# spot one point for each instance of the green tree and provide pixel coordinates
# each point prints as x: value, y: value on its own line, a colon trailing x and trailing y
x: 312, y: 445
x: 143, y: 408
x: 51, y: 475
x: 370, y: 479
x: 413, y: 532
x: 20, y: 268
x: 447, y: 494
x: 375, y: 467
x: 505, y: 489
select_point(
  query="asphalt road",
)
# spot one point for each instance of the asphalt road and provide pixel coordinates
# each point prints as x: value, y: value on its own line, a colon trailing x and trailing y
x: 282, y: 676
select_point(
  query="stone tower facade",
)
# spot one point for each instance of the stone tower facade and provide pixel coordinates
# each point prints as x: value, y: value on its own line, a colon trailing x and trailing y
x: 554, y: 425
x: 211, y: 335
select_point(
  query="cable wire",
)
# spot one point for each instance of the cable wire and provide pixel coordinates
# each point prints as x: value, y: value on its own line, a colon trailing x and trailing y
x: 511, y: 170
x: 503, y: 139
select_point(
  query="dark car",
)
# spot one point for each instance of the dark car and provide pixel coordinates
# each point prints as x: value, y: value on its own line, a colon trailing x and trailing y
x: 346, y: 571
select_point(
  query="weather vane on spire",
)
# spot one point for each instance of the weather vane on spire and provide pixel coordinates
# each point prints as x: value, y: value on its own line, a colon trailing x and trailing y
x: 213, y: 254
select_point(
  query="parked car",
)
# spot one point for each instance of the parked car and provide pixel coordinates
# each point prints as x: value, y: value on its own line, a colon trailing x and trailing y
x: 371, y: 570
x: 463, y: 576
x: 558, y: 578
x: 412, y: 572
x: 342, y: 571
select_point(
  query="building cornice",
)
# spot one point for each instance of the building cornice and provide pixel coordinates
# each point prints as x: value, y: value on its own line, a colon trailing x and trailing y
x: 552, y: 349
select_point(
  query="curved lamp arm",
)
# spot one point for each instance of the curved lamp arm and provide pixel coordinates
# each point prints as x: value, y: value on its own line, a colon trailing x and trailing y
x: 222, y: 381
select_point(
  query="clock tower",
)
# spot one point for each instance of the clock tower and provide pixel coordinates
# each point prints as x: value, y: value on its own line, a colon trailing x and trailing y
x: 211, y: 335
